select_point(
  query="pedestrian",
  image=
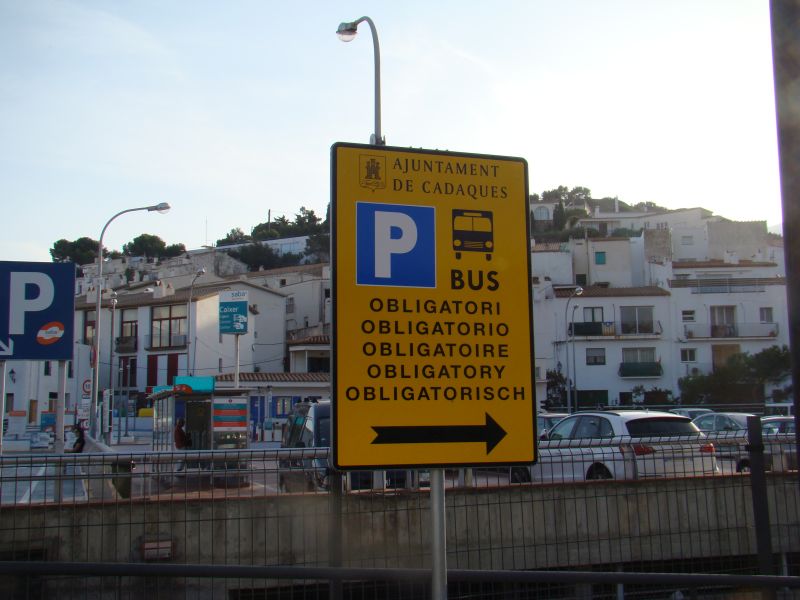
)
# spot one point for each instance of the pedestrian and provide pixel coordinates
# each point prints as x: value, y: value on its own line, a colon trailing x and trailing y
x: 182, y: 439
x: 80, y: 439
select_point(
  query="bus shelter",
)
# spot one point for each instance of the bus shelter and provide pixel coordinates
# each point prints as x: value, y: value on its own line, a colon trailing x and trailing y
x: 214, y: 420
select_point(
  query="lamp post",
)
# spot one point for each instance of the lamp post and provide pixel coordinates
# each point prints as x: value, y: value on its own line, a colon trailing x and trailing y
x: 107, y: 434
x: 191, y: 351
x: 576, y: 292
x: 347, y: 32
x: 162, y: 208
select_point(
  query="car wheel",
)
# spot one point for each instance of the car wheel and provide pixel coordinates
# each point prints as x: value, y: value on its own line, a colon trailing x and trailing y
x: 598, y: 472
x: 743, y: 466
x: 520, y: 475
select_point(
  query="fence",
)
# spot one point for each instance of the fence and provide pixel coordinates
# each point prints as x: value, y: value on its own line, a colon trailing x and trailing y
x: 676, y: 519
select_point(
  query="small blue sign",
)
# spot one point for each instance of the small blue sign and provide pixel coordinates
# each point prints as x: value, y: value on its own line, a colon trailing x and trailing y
x: 395, y: 245
x: 233, y: 312
x: 37, y: 311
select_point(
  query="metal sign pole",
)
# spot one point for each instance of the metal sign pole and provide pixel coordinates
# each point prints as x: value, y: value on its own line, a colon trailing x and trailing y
x: 438, y: 536
x: 236, y: 373
x: 2, y: 401
x: 61, y: 406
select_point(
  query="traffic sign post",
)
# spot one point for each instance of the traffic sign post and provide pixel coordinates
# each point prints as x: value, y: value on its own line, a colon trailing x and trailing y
x: 432, y: 328
x: 233, y: 318
x: 37, y: 313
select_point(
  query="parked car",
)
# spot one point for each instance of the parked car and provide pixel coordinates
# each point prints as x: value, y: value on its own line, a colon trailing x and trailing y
x: 774, y: 425
x: 780, y: 446
x: 692, y: 413
x: 309, y: 426
x: 722, y: 421
x: 546, y: 420
x: 629, y: 444
x: 728, y: 431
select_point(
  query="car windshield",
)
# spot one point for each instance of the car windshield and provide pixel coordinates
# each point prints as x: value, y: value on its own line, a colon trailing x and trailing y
x: 656, y: 426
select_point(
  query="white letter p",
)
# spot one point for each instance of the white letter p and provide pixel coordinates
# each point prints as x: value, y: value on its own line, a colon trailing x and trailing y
x: 385, y: 246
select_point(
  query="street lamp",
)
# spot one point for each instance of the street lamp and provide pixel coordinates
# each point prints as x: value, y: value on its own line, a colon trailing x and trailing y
x: 162, y: 208
x: 107, y: 435
x: 576, y: 292
x: 190, y: 346
x: 347, y: 32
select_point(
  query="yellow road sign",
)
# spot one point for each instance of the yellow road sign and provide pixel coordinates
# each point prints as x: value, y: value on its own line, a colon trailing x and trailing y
x: 432, y: 327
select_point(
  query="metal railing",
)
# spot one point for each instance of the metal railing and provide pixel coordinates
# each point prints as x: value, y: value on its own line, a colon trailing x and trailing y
x: 737, y: 330
x: 677, y: 515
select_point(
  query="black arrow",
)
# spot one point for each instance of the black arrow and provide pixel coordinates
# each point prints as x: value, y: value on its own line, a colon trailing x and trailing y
x: 491, y: 433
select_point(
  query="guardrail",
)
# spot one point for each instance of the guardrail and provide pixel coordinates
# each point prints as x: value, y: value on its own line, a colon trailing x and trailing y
x: 205, y: 524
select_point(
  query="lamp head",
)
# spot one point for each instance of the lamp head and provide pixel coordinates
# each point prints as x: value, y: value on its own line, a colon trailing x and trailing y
x: 161, y: 207
x: 347, y: 31
x: 201, y: 271
x: 578, y: 291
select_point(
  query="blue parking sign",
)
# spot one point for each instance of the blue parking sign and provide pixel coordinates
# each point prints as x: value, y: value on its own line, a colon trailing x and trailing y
x: 37, y: 310
x: 395, y: 245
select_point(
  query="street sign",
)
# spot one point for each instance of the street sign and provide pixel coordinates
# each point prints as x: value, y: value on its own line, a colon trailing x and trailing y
x: 37, y: 310
x: 233, y: 311
x: 230, y: 414
x: 432, y: 327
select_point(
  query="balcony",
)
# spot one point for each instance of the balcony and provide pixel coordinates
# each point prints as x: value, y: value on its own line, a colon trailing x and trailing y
x: 593, y: 328
x: 126, y: 344
x: 165, y: 342
x: 737, y: 330
x: 640, y: 369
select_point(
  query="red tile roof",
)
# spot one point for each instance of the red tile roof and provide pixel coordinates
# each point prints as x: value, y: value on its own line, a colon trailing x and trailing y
x: 314, y: 340
x: 612, y: 292
x: 277, y: 377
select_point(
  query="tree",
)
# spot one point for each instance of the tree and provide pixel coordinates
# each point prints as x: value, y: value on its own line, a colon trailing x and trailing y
x: 174, y: 250
x: 258, y: 255
x: 150, y: 246
x: 579, y: 196
x: 234, y: 236
x: 305, y: 223
x: 318, y: 247
x: 556, y: 389
x: 560, y: 194
x: 81, y: 251
x: 559, y: 216
x: 742, y: 377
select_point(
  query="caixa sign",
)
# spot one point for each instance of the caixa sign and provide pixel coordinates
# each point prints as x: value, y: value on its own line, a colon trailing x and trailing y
x: 37, y: 311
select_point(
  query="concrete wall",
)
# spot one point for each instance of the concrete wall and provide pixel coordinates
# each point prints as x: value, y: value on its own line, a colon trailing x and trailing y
x: 518, y: 527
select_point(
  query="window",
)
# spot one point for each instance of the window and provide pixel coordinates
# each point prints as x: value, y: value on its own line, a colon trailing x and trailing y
x: 52, y: 399
x: 127, y: 371
x: 636, y: 319
x: 129, y: 324
x: 47, y: 368
x: 593, y: 314
x: 169, y: 326
x: 580, y: 279
x: 219, y: 365
x: 541, y: 213
x: 687, y: 240
x: 88, y: 327
x: 593, y: 427
x: 638, y: 355
x: 687, y: 316
x: 595, y: 356
x: 765, y: 314
x: 70, y: 369
x: 599, y: 258
x: 290, y: 304
x: 688, y: 355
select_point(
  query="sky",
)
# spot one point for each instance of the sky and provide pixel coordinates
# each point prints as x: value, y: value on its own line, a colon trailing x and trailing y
x: 228, y: 110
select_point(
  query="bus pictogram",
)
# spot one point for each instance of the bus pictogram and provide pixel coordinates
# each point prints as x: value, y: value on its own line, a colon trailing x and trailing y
x: 473, y: 232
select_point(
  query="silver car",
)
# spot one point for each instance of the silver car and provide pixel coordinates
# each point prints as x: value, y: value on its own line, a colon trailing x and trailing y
x: 627, y: 444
